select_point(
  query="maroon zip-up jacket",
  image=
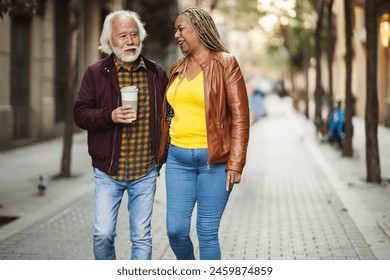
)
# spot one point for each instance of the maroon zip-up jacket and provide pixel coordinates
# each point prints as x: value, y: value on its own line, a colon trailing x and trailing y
x: 98, y: 96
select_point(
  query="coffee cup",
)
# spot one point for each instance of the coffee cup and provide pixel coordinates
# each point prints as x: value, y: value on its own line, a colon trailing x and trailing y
x: 130, y: 97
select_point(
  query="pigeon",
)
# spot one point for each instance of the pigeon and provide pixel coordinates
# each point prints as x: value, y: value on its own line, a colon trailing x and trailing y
x: 41, y: 185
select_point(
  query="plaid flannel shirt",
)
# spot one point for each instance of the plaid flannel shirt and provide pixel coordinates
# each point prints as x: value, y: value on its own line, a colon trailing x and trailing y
x: 136, y: 159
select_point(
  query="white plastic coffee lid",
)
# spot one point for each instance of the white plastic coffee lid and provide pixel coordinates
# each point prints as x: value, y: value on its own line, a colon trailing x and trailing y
x: 130, y: 88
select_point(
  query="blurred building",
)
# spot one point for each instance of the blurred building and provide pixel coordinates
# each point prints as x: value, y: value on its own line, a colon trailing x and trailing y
x: 34, y: 54
x: 359, y: 56
x: 33, y: 78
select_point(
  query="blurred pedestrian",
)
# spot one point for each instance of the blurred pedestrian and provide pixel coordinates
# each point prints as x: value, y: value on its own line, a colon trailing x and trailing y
x: 124, y: 152
x: 336, y: 122
x: 256, y: 104
x: 205, y: 134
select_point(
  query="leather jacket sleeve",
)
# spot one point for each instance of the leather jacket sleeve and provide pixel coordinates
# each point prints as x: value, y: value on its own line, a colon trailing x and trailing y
x: 238, y: 108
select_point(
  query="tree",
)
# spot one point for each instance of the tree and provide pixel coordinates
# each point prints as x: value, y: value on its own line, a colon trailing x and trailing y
x: 318, y: 54
x: 19, y: 7
x: 371, y: 113
x: 299, y: 44
x: 330, y: 52
x: 159, y: 25
x: 347, y: 149
x: 245, y: 13
x: 290, y: 29
x: 72, y: 83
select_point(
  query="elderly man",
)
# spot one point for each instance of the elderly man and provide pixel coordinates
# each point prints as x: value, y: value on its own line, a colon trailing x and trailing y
x: 124, y: 151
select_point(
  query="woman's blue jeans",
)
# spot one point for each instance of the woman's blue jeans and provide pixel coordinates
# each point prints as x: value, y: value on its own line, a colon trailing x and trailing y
x: 108, y: 197
x: 191, y: 181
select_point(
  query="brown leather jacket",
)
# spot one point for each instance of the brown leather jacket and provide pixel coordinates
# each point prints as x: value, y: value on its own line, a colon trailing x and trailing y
x: 227, y: 111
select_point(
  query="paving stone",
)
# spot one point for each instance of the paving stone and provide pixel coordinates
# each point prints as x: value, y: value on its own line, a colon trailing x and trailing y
x: 284, y: 209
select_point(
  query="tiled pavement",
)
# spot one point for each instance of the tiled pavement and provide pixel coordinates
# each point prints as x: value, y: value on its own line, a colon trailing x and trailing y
x: 286, y: 206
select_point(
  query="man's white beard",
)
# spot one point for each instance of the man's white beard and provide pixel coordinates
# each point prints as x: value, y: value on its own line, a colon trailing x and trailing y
x: 120, y: 53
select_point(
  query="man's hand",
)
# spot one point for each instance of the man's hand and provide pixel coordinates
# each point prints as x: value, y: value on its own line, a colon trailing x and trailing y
x: 232, y: 178
x: 123, y: 114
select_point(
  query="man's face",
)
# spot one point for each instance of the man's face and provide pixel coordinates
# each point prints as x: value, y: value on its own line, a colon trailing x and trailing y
x: 125, y: 40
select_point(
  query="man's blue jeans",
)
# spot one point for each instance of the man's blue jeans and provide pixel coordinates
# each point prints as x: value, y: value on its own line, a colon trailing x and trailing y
x: 190, y: 180
x: 108, y: 197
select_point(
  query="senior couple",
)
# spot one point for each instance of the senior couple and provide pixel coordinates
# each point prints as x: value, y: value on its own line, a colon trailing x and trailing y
x: 196, y: 121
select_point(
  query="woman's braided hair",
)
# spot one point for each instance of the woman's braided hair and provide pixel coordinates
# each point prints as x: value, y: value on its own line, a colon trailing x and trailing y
x: 205, y: 29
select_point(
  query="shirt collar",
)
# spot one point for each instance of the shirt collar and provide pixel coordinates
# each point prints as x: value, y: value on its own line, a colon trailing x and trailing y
x: 140, y: 61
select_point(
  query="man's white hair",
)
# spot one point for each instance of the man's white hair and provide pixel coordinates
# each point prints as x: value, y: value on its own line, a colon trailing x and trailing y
x: 105, y: 38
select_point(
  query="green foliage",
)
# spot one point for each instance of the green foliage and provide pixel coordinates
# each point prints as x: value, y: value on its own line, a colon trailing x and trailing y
x: 300, y: 39
x: 243, y: 13
x: 22, y: 7
x: 277, y: 55
x: 294, y: 38
x: 301, y: 33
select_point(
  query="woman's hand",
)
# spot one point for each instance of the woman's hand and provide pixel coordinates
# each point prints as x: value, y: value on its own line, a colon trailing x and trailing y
x: 232, y: 178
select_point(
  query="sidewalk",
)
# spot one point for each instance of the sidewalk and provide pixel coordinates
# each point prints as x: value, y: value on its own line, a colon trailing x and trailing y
x: 367, y: 204
x: 19, y: 171
x: 299, y: 199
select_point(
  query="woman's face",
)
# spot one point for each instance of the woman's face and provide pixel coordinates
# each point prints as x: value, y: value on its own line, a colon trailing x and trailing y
x: 185, y: 36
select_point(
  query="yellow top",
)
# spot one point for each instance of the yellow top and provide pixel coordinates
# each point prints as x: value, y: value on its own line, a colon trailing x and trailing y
x: 188, y: 126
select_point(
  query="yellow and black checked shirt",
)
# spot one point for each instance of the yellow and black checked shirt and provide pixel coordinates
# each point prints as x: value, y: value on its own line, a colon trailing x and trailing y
x: 136, y: 159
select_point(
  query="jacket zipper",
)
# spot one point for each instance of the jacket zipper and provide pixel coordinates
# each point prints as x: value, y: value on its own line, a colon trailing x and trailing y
x: 207, y: 105
x: 156, y: 121
x: 113, y: 145
x: 113, y: 150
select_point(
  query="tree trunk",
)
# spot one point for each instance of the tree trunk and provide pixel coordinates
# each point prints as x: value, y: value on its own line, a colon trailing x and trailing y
x: 72, y: 42
x: 347, y: 149
x: 318, y: 90
x: 371, y: 114
x: 306, y: 65
x: 330, y: 53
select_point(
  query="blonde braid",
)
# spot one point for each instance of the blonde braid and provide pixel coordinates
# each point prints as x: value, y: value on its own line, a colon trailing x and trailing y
x: 204, y: 27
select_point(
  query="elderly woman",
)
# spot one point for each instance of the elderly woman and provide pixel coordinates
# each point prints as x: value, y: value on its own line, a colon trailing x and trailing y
x: 205, y: 134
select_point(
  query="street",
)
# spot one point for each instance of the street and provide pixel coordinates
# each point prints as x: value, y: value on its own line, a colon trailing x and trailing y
x: 292, y: 203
